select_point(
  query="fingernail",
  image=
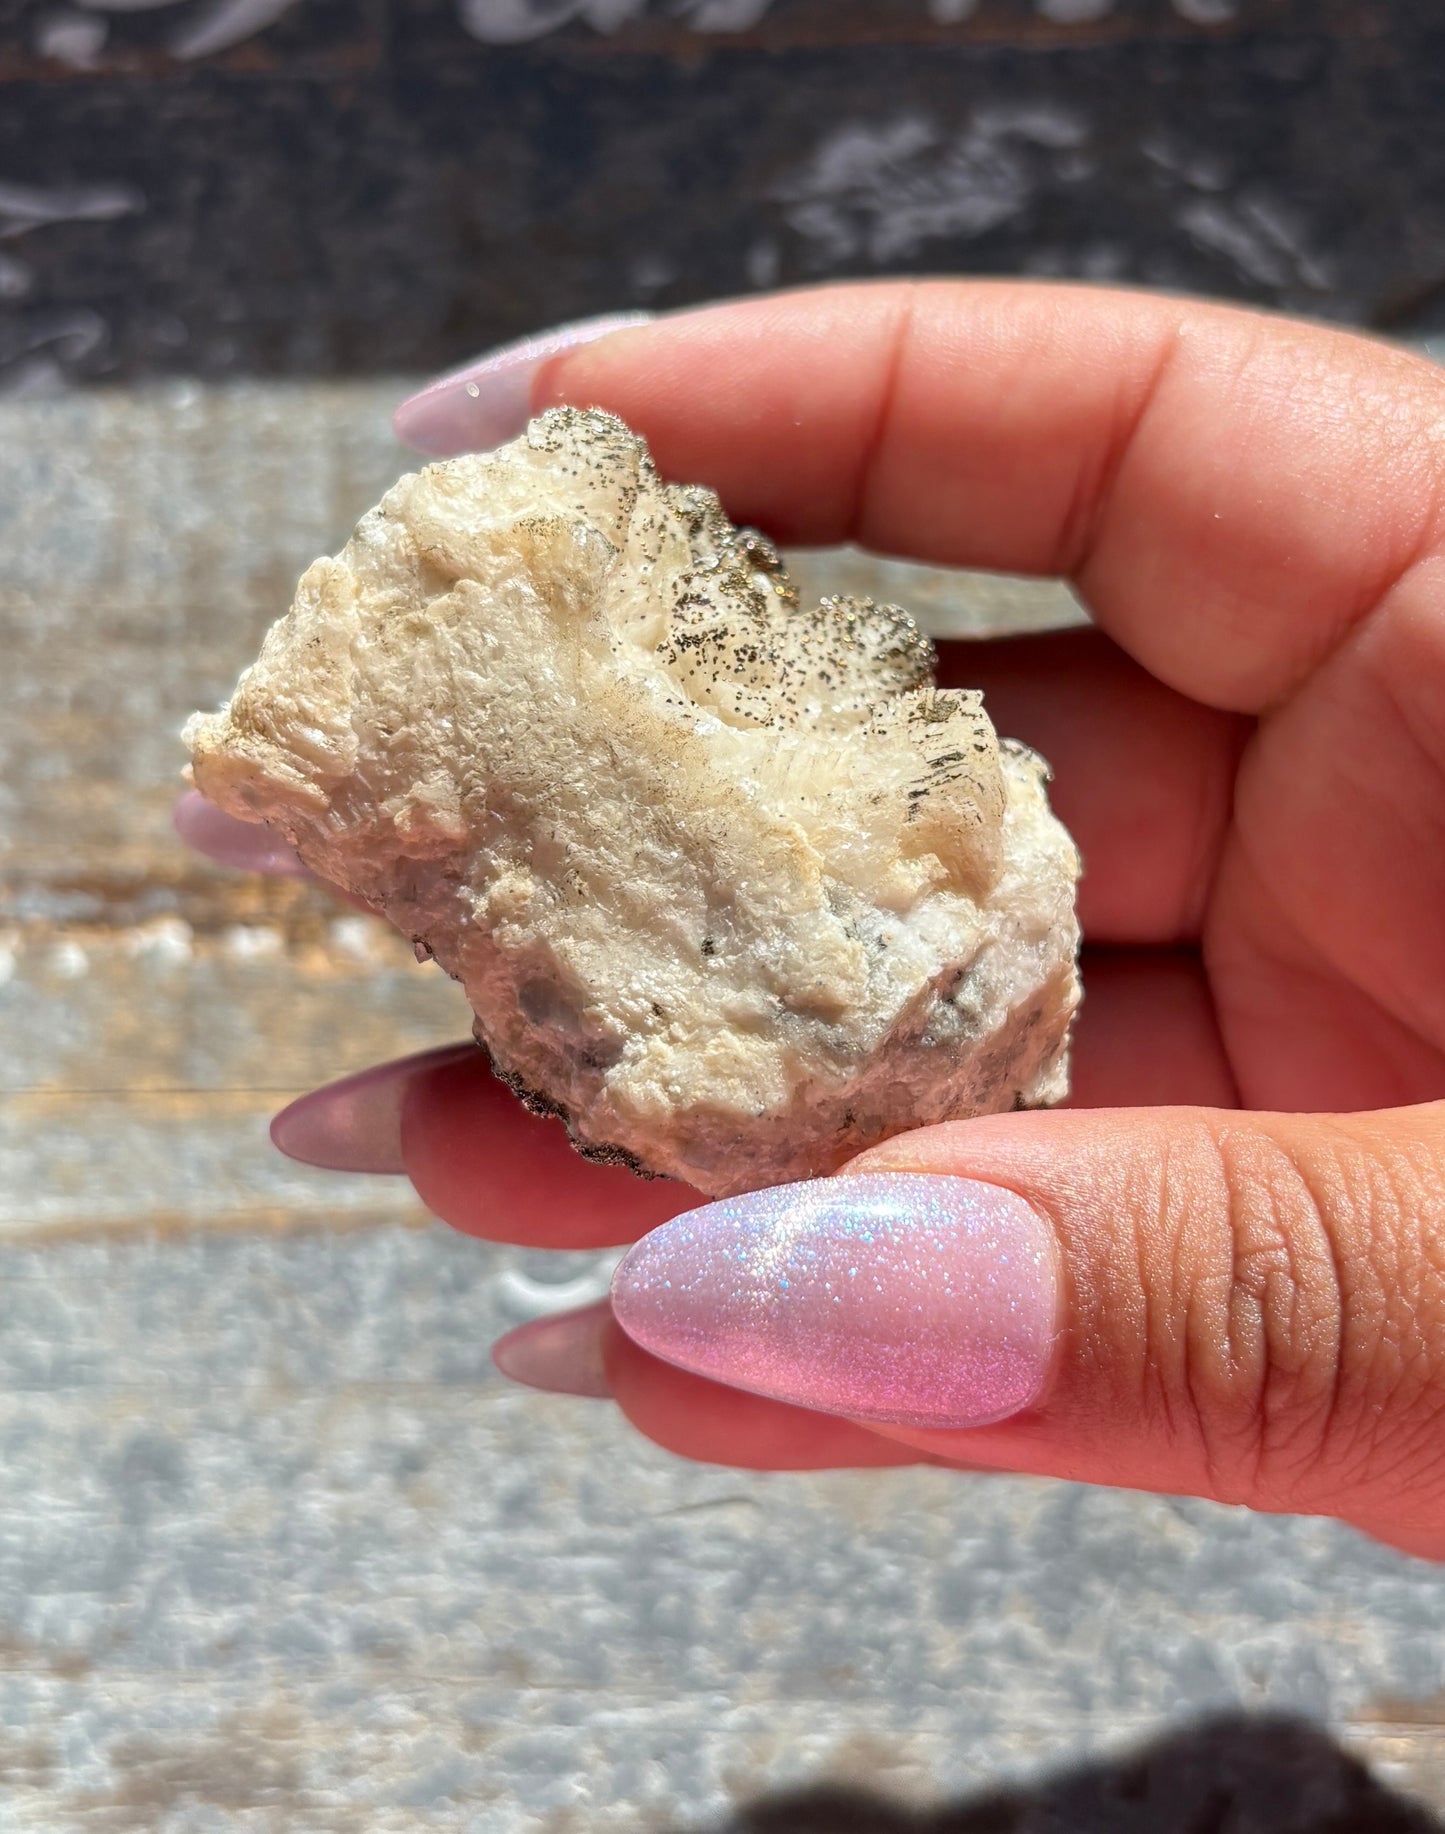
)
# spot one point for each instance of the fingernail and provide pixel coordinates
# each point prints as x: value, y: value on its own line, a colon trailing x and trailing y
x: 354, y: 1125
x: 248, y: 846
x: 904, y: 1298
x: 489, y: 401
x: 562, y: 1354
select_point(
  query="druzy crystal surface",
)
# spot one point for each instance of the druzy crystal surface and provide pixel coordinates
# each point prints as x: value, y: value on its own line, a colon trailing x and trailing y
x: 731, y: 885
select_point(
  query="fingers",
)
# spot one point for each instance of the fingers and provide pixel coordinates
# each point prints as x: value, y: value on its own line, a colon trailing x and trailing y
x: 354, y: 1124
x: 705, y: 1421
x: 485, y: 1165
x: 1334, y: 878
x: 1146, y: 1033
x: 583, y: 1353
x: 246, y: 846
x: 560, y: 1353
x: 1309, y: 1024
x: 1232, y: 492
x: 489, y: 401
x: 1249, y: 1308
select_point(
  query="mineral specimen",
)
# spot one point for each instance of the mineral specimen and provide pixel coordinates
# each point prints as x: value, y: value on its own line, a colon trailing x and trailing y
x: 731, y: 886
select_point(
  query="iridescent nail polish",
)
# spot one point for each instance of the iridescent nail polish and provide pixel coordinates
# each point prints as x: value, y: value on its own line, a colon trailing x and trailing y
x: 903, y: 1298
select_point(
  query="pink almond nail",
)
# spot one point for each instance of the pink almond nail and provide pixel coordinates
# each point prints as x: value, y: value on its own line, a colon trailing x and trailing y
x: 490, y: 400
x: 248, y: 846
x: 561, y: 1354
x: 905, y: 1298
x: 354, y: 1124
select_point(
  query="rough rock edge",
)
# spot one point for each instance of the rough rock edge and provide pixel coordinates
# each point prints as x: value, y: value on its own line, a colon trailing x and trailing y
x: 898, y: 659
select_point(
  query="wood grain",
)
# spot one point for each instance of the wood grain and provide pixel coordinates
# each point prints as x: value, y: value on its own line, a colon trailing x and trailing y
x: 279, y: 1551
x: 359, y: 186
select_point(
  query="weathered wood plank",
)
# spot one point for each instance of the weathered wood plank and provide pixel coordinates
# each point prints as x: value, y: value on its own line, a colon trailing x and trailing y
x: 264, y: 1497
x: 355, y: 189
x: 279, y: 1551
x: 328, y: 38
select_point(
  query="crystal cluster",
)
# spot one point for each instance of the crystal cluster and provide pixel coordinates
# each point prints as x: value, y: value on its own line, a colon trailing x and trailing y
x: 731, y: 885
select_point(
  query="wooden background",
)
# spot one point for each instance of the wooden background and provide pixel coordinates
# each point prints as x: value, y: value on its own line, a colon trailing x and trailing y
x: 277, y: 1550
x: 381, y: 185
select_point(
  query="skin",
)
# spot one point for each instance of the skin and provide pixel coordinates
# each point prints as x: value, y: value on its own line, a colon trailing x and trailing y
x: 1248, y: 1186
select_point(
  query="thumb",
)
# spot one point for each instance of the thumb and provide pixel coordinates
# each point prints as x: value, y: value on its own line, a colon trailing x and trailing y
x: 1249, y: 1307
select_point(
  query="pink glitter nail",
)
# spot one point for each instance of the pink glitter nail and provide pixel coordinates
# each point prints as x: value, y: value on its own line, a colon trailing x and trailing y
x: 903, y: 1298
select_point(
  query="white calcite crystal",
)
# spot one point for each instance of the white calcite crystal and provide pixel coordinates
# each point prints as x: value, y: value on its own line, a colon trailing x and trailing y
x: 731, y: 886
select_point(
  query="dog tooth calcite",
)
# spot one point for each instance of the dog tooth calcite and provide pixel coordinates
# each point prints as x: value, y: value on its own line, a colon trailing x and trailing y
x: 731, y: 886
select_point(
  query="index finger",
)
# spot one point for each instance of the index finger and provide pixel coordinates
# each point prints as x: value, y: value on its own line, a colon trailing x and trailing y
x: 1231, y: 492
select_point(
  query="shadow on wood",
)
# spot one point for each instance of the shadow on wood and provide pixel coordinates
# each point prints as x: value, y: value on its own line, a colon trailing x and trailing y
x: 1235, y: 1774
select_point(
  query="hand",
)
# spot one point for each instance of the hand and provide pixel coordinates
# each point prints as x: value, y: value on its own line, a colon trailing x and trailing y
x: 1220, y: 1271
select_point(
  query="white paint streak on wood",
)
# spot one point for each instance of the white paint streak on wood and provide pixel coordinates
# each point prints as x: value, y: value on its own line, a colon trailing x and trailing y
x: 508, y: 22
x: 225, y: 23
x: 25, y: 207
x: 1075, y: 12
x: 884, y: 190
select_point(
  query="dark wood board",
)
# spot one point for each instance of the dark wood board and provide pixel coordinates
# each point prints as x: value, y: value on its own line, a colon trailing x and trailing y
x: 387, y: 185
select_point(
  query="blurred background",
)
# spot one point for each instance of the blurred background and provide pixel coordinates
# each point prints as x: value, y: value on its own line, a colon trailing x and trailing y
x: 316, y: 187
x: 221, y: 188
x: 277, y: 1550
